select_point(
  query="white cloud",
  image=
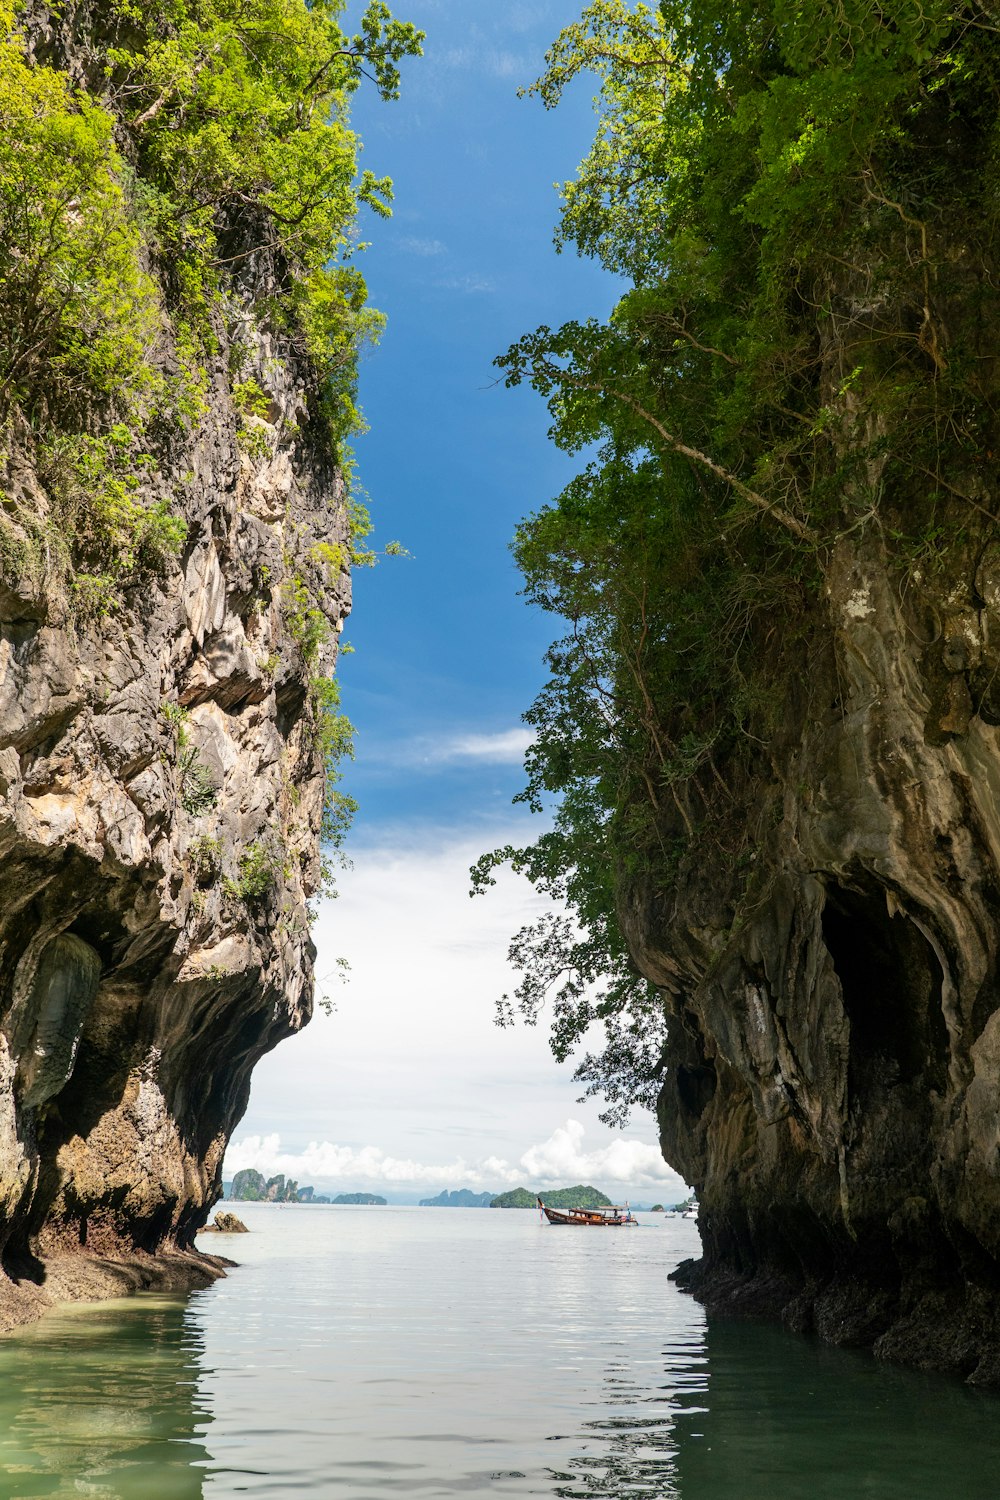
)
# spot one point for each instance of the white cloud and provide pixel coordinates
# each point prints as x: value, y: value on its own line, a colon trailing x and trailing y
x: 410, y: 1079
x: 325, y: 1164
x: 560, y: 1161
x: 505, y: 747
x: 413, y: 244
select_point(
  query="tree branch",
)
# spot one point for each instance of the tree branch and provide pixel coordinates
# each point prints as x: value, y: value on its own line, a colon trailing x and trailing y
x: 776, y: 512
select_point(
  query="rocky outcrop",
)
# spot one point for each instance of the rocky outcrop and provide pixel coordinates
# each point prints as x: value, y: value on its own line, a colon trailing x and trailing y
x: 161, y: 790
x: 226, y: 1223
x: 833, y: 1060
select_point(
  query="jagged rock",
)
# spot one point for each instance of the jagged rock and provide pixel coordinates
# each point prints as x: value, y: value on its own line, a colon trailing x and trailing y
x: 226, y: 1223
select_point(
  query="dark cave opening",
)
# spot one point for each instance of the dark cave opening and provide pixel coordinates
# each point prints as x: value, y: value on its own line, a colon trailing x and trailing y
x: 695, y: 1088
x: 891, y: 982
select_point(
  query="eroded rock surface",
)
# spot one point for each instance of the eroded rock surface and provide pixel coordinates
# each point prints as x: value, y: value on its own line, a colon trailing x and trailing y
x: 833, y: 1080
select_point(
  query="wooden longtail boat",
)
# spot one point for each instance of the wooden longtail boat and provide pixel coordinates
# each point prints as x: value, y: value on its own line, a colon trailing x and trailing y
x: 593, y: 1218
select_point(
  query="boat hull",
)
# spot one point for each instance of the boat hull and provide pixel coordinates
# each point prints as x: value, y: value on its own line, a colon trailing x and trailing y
x: 586, y: 1219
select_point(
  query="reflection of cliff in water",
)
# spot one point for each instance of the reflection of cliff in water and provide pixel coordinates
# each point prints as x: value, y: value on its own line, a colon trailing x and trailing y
x: 744, y: 1411
x: 787, y: 1418
x: 101, y: 1401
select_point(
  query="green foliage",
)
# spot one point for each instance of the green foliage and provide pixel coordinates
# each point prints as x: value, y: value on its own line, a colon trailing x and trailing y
x: 334, y: 741
x: 218, y: 136
x: 76, y: 311
x: 94, y: 486
x: 516, y: 1198
x: 804, y: 199
x: 253, y: 405
x: 196, y: 789
x: 303, y: 615
x: 258, y: 870
x: 205, y: 858
x: 562, y: 1198
x: 78, y: 319
x: 249, y: 399
x: 27, y: 547
x: 332, y: 557
x: 240, y: 113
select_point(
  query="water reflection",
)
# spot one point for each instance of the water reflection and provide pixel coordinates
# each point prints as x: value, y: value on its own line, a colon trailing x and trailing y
x: 789, y: 1417
x: 100, y: 1401
x: 632, y: 1448
x: 782, y: 1418
x: 425, y: 1355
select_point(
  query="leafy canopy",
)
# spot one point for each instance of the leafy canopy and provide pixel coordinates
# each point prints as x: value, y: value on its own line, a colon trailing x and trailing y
x: 205, y: 147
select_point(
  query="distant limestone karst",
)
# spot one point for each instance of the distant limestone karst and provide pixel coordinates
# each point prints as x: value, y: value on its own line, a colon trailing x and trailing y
x: 570, y: 1197
x: 251, y: 1186
x: 458, y: 1198
x: 368, y: 1200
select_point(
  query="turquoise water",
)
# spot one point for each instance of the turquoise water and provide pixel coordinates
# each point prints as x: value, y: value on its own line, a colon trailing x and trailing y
x: 418, y: 1352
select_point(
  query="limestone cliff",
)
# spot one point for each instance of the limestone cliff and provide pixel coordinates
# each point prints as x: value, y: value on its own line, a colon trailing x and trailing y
x: 834, y: 1059
x: 161, y: 793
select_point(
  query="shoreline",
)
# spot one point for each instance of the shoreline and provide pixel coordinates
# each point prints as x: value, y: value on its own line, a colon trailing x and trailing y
x: 81, y: 1277
x: 953, y: 1330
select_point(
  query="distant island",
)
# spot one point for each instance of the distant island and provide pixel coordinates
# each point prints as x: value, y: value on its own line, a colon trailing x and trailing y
x: 458, y: 1198
x: 570, y: 1197
x: 251, y: 1186
x: 372, y: 1200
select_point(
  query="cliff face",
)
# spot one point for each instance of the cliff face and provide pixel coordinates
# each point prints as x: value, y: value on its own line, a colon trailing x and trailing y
x: 161, y: 790
x: 142, y: 975
x: 834, y: 1059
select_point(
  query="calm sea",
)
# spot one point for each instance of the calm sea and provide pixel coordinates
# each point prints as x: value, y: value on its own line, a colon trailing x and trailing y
x: 439, y: 1352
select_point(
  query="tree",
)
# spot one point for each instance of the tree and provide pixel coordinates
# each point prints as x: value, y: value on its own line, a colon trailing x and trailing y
x: 802, y: 198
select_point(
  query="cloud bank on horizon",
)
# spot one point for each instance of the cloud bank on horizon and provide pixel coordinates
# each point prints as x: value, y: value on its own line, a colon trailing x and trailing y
x: 560, y: 1161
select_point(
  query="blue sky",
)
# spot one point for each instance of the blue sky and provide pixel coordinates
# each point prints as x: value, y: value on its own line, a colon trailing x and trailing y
x: 408, y: 1087
x: 445, y: 648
